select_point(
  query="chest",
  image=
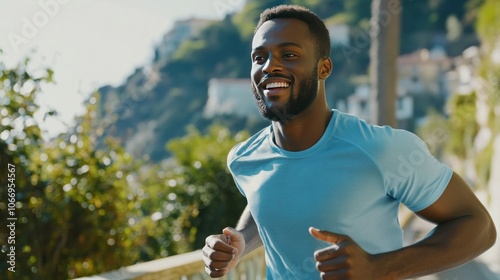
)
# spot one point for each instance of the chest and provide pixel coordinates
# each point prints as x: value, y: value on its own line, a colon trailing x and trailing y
x: 322, y: 189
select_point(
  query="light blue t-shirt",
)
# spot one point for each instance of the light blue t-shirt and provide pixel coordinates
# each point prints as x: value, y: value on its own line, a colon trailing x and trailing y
x: 350, y: 182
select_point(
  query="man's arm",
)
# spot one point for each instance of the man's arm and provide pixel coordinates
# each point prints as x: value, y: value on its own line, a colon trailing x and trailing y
x: 464, y: 230
x: 223, y: 251
x: 247, y: 226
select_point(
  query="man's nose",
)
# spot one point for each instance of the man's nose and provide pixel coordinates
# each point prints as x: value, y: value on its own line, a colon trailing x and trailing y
x: 272, y: 64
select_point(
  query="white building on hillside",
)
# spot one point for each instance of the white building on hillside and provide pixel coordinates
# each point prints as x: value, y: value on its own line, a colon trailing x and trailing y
x: 230, y: 97
x: 423, y: 72
x: 358, y: 104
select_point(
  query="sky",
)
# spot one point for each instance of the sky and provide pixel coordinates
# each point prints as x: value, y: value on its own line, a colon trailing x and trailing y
x: 90, y: 43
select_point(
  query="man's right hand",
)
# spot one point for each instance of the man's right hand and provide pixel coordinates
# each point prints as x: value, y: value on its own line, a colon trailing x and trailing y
x: 223, y: 251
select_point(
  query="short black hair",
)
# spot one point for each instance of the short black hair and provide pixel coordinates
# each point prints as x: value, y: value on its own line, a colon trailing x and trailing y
x: 314, y: 23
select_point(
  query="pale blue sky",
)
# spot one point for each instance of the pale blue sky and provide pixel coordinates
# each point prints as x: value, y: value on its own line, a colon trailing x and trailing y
x: 90, y: 43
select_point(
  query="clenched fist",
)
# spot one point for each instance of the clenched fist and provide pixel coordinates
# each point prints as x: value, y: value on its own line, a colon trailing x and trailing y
x: 222, y: 252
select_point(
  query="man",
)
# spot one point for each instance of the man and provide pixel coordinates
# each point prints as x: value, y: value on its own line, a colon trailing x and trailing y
x: 314, y: 167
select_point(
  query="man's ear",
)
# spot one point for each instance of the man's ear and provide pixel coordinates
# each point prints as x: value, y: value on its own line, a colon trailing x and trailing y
x: 325, y: 66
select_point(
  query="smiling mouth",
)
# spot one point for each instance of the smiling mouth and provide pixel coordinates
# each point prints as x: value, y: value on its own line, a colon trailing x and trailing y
x: 277, y: 85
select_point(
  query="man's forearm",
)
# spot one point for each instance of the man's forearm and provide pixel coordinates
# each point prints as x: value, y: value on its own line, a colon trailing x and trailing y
x: 248, y: 227
x: 450, y: 244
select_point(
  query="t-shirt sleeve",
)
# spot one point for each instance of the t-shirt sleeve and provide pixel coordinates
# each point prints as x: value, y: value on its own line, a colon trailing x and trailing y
x: 230, y: 158
x: 410, y: 173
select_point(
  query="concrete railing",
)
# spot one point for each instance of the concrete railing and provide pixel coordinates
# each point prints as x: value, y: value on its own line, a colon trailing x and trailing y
x: 188, y: 266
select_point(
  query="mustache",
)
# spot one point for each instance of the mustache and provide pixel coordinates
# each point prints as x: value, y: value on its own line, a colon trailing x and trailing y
x: 275, y: 75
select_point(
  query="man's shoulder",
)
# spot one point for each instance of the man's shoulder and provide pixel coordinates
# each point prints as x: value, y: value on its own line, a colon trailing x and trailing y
x: 250, y: 144
x: 364, y: 134
x: 351, y: 127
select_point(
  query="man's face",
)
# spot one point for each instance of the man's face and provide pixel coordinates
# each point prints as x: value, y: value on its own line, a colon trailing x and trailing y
x: 284, y: 69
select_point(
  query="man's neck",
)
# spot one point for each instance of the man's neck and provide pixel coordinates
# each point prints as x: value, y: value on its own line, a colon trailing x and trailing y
x: 303, y: 131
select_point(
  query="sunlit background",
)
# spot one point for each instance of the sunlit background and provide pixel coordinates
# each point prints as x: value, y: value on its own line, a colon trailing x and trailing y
x: 116, y: 117
x: 89, y: 44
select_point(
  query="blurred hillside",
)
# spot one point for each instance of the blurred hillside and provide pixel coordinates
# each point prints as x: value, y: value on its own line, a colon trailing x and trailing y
x: 157, y: 102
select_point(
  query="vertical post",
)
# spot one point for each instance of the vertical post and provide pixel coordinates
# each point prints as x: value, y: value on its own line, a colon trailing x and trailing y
x: 384, y: 50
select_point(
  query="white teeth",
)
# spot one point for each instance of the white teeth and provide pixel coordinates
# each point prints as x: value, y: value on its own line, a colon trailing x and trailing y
x: 277, y: 85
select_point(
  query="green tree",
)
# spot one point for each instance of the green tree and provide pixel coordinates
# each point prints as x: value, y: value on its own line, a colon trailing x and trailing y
x: 73, y: 200
x: 19, y: 138
x: 210, y: 199
x: 435, y: 133
x: 488, y: 28
x: 184, y: 199
x: 249, y: 16
x: 463, y: 125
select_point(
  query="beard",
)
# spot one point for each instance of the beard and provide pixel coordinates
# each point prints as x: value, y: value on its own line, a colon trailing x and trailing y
x: 305, y: 94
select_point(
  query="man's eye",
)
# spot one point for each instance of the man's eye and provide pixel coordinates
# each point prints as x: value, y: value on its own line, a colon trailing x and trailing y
x: 258, y: 58
x: 289, y: 55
